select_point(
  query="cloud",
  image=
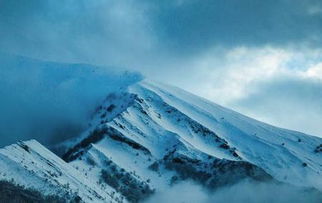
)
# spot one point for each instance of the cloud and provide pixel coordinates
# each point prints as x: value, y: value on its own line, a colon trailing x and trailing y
x: 143, y: 33
x: 101, y: 32
x: 51, y: 102
x: 162, y: 39
x: 229, y: 74
x: 192, y: 26
x: 315, y: 71
x: 245, y: 191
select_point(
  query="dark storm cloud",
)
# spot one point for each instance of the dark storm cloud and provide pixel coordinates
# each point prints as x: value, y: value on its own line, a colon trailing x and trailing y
x: 129, y: 31
x: 106, y: 32
x: 194, y: 25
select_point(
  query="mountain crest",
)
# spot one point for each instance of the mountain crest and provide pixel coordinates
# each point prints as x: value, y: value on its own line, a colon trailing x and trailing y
x: 151, y: 136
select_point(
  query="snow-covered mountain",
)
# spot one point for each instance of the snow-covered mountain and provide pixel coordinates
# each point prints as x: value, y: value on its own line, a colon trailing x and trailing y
x: 31, y: 165
x: 151, y: 136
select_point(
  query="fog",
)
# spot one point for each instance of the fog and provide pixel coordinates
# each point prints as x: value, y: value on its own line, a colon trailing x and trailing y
x: 242, y: 192
x: 51, y: 102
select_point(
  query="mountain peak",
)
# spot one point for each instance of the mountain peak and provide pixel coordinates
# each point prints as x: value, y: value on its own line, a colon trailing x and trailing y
x: 151, y: 136
x: 156, y: 117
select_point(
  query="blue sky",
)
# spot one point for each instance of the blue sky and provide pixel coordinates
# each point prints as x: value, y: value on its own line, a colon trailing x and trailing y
x: 262, y: 58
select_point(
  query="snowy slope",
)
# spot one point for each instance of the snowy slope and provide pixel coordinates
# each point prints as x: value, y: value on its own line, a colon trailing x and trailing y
x: 158, y: 135
x: 280, y: 152
x: 150, y: 136
x: 33, y: 166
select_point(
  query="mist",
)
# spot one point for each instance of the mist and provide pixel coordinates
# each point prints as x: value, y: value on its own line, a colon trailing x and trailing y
x: 244, y: 191
x: 50, y: 101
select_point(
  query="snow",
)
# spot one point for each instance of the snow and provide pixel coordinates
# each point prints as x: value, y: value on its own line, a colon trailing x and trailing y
x: 276, y: 150
x: 160, y: 118
x: 146, y: 122
x: 32, y: 165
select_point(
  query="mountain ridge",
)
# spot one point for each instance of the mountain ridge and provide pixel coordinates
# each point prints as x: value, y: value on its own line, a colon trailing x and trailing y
x: 151, y: 136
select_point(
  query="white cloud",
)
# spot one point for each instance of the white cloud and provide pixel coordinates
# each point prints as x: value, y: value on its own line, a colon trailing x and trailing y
x: 315, y: 71
x: 230, y: 76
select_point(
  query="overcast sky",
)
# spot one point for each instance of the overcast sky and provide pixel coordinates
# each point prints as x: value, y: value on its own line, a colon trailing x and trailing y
x: 262, y: 58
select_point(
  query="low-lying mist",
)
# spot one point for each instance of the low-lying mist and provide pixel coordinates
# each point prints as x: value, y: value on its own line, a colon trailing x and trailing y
x: 242, y: 192
x: 52, y: 101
